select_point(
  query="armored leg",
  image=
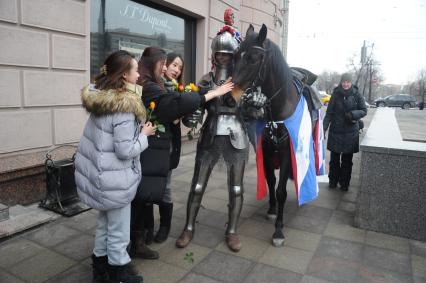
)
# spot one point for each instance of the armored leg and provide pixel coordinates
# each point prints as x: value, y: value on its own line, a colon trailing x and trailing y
x: 235, y: 187
x: 202, y: 171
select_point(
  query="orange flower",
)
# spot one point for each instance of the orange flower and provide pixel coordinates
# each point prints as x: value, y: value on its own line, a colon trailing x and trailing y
x: 152, y: 105
x: 181, y: 87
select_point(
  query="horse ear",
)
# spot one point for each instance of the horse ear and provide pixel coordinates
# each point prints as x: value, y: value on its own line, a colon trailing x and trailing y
x: 250, y: 30
x: 262, y: 34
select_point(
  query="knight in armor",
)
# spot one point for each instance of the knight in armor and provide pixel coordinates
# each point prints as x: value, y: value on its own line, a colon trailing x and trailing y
x: 223, y: 136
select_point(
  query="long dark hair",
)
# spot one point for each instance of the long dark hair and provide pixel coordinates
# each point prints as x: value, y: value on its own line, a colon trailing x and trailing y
x: 111, y: 72
x: 170, y: 58
x: 150, y: 57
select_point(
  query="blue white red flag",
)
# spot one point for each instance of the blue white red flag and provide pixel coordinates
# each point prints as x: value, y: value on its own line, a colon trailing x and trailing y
x: 319, y: 145
x: 299, y: 126
x: 261, y: 178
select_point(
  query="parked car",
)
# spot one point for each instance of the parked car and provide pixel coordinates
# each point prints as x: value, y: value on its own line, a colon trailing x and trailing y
x: 404, y: 101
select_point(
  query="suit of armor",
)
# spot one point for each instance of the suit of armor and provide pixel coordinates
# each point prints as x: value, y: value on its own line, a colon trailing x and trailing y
x: 223, y: 135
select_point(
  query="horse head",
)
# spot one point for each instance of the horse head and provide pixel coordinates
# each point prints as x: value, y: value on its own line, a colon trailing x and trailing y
x: 260, y: 62
x: 250, y: 59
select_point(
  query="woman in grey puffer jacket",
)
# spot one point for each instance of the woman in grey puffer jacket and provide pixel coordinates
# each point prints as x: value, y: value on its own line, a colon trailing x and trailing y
x: 108, y: 169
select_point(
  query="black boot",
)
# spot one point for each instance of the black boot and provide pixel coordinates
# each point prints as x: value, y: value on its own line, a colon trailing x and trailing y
x: 138, y: 248
x: 100, y: 271
x: 166, y: 212
x: 346, y: 171
x: 148, y: 215
x: 120, y: 274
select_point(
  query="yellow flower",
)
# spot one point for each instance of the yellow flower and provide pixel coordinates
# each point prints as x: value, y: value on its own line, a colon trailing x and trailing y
x: 152, y: 105
x: 193, y: 87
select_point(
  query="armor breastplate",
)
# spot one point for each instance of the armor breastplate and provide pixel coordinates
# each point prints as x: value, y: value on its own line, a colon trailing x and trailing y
x: 229, y: 125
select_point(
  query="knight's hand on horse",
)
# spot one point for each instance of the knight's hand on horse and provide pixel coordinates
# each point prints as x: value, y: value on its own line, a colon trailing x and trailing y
x: 254, y: 98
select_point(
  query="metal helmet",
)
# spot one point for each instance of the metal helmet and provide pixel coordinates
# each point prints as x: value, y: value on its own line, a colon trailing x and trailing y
x: 225, y: 43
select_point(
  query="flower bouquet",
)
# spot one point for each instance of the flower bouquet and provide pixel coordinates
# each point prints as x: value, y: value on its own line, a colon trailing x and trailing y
x: 181, y: 89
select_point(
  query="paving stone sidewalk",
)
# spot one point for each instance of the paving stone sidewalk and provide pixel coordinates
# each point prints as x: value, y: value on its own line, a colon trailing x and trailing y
x: 322, y: 245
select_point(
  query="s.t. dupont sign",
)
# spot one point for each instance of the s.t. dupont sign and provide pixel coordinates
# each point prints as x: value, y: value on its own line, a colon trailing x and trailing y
x: 158, y: 22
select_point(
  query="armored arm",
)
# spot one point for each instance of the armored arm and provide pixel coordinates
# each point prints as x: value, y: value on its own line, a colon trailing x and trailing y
x: 252, y: 104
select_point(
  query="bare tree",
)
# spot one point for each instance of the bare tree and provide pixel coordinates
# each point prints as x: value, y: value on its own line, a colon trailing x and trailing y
x: 421, y: 83
x: 327, y: 81
x: 367, y: 74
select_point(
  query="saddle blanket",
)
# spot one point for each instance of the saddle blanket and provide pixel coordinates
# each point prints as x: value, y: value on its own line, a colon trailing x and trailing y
x: 307, y: 154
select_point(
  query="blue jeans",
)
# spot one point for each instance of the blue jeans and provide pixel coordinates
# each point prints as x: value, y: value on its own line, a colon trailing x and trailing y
x: 113, y: 235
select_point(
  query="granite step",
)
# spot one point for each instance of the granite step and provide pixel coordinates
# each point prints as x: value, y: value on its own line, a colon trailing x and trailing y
x: 4, y: 212
x: 22, y: 218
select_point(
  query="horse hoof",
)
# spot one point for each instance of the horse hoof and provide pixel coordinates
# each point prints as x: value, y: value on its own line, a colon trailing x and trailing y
x: 278, y: 242
x: 270, y: 216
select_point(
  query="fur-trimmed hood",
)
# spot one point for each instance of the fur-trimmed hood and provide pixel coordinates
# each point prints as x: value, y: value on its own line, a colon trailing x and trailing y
x: 103, y: 102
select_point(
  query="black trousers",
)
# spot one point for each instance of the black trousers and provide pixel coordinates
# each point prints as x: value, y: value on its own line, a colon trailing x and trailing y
x: 340, y: 168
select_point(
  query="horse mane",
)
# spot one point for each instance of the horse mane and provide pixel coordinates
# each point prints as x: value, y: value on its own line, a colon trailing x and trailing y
x: 278, y: 66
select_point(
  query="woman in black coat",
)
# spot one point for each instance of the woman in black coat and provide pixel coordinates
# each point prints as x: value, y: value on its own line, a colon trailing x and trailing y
x: 174, y: 71
x: 344, y: 111
x: 155, y: 160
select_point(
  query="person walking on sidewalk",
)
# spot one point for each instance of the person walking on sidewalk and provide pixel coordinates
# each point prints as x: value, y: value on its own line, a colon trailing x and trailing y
x: 107, y: 164
x: 343, y: 115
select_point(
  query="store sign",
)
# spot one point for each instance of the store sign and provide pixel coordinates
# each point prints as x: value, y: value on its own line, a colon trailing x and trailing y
x: 158, y: 23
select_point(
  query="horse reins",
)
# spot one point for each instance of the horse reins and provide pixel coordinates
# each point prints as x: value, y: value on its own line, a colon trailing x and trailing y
x: 272, y: 125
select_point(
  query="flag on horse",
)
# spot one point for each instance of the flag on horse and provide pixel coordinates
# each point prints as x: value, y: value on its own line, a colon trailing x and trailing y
x: 304, y: 154
x: 299, y: 126
x: 319, y: 145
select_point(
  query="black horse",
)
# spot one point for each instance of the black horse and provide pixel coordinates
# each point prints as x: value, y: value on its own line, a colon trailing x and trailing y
x: 261, y: 63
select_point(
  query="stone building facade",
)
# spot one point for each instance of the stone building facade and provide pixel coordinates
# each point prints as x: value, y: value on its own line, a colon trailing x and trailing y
x: 47, y: 51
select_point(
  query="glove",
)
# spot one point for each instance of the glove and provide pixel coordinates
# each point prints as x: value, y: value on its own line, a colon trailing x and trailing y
x: 254, y: 98
x: 193, y: 119
x: 348, y: 117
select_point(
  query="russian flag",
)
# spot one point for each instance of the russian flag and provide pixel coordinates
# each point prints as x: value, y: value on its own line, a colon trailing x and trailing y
x: 261, y: 178
x: 299, y: 126
x: 319, y: 145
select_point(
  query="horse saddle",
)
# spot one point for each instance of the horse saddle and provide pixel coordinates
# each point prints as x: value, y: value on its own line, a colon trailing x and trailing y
x: 310, y: 92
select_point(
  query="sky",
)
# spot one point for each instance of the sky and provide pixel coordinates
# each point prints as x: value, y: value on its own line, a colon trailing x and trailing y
x: 323, y: 35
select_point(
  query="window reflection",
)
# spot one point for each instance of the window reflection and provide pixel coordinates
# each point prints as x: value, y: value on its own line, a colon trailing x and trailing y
x: 127, y: 25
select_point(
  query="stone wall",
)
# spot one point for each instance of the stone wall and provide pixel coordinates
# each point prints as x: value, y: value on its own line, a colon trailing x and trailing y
x: 43, y: 65
x: 393, y: 191
x: 44, y: 62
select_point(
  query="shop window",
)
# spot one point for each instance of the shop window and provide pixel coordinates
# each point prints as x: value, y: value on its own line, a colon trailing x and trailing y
x: 131, y: 26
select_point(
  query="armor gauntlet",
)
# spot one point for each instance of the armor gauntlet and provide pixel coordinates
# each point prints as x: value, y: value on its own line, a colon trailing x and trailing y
x: 192, y: 120
x: 252, y: 104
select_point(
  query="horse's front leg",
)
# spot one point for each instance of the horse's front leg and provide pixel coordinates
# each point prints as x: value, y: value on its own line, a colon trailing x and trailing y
x: 281, y: 194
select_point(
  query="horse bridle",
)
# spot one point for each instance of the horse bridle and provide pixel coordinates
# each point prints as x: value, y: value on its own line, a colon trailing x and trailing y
x: 258, y: 80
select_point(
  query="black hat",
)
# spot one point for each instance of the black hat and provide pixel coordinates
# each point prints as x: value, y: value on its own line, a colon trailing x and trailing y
x: 346, y: 77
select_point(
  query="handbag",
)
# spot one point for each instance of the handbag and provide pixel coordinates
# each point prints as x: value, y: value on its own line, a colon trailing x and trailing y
x: 151, y: 189
x: 155, y: 162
